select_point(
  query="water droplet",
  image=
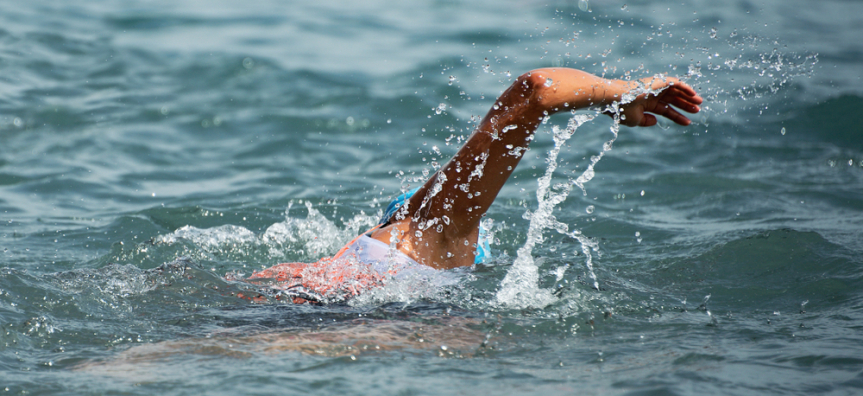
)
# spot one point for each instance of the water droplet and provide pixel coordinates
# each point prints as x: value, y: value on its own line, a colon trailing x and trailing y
x: 642, y: 193
x: 782, y: 131
x: 451, y: 80
x: 624, y: 8
x: 389, y: 121
x: 548, y: 82
x: 349, y: 121
x: 418, y: 234
x: 440, y: 108
x: 439, y: 228
x: 589, y: 209
x: 248, y: 63
x: 583, y: 5
x: 164, y: 110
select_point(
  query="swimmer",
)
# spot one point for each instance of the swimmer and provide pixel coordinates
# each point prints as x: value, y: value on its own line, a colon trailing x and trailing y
x: 437, y: 226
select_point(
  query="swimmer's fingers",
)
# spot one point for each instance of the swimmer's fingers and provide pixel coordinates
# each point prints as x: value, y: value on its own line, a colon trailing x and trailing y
x: 683, y: 97
x: 677, y: 93
x: 682, y: 103
x: 691, y: 94
x: 680, y: 96
x: 647, y: 120
x: 682, y: 88
x: 666, y: 111
x: 674, y: 87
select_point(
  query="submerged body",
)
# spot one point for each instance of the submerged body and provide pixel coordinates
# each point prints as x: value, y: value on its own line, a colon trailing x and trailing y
x: 438, y: 227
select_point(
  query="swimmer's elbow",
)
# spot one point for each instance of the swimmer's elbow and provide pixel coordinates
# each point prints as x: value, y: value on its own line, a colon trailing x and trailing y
x: 532, y: 81
x: 530, y: 88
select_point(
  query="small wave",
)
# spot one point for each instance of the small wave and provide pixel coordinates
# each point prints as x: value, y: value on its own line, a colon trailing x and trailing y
x: 294, y: 239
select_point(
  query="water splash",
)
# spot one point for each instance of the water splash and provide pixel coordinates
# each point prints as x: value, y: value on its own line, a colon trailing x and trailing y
x: 412, y: 285
x: 520, y: 287
x: 303, y: 239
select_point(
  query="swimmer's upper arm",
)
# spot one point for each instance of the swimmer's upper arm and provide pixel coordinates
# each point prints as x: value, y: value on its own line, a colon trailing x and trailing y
x: 468, y: 184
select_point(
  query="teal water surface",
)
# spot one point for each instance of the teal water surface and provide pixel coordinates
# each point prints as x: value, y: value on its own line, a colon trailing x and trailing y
x: 151, y: 152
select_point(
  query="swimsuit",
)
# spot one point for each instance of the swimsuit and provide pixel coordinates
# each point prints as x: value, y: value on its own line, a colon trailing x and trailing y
x: 362, y: 264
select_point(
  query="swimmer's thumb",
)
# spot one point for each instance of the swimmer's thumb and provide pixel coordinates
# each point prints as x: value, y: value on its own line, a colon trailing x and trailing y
x: 647, y: 120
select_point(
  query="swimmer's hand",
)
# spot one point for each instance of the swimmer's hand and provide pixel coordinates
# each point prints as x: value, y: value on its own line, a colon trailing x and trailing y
x: 674, y: 93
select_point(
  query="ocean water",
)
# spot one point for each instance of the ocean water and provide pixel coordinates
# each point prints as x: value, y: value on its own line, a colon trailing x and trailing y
x: 152, y: 151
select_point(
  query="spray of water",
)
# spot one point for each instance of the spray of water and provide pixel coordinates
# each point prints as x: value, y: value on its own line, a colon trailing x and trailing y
x: 520, y: 287
x: 294, y: 239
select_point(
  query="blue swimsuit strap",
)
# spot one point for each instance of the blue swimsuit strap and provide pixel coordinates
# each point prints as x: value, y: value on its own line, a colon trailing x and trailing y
x: 395, y: 205
x: 483, y: 249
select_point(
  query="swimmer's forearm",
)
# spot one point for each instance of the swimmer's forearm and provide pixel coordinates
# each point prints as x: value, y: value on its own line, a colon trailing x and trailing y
x: 561, y: 89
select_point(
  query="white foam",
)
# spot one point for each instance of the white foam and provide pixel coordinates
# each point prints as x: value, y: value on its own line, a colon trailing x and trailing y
x: 310, y: 238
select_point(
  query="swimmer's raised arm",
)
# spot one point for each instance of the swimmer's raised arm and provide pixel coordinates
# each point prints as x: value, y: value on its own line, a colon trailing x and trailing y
x: 460, y: 193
